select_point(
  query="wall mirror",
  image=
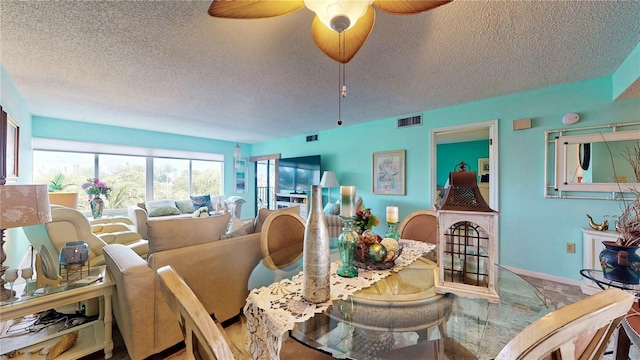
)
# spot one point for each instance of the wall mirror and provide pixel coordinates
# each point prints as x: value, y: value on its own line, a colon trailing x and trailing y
x: 586, y: 161
x: 477, y: 145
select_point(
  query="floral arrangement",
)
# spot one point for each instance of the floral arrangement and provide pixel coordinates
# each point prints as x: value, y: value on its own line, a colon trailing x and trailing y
x: 364, y: 220
x: 94, y: 188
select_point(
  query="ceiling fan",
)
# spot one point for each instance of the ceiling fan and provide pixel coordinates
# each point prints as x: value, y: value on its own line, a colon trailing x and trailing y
x: 340, y: 27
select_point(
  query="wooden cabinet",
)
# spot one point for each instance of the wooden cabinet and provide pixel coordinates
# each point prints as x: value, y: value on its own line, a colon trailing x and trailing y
x: 591, y: 248
x: 288, y: 200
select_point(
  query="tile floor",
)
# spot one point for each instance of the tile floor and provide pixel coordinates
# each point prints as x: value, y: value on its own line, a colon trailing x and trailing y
x: 557, y: 294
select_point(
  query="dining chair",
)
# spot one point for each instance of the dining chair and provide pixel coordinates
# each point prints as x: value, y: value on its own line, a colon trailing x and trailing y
x: 203, y: 339
x: 629, y: 333
x: 580, y: 330
x: 282, y: 231
x: 420, y: 225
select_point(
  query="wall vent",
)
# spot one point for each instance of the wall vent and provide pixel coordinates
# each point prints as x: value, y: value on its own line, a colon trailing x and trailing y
x: 312, y: 137
x: 410, y: 121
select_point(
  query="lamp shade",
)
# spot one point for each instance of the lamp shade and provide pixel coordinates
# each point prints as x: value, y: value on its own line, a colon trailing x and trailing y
x: 329, y: 180
x: 24, y: 205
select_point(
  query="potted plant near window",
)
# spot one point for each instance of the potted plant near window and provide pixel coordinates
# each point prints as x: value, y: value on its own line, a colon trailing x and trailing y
x: 58, y: 196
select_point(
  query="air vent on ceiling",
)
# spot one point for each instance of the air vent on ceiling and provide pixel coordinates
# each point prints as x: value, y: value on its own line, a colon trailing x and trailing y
x: 410, y: 121
x: 312, y: 137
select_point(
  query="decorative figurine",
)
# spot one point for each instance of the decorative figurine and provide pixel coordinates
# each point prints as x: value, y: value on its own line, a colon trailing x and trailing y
x: 603, y: 226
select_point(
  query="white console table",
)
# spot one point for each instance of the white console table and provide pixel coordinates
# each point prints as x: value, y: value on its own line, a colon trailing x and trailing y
x: 591, y: 248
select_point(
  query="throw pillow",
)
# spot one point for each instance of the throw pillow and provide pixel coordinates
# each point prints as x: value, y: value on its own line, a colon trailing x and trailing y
x: 202, y: 200
x: 245, y: 229
x: 331, y: 209
x: 176, y: 233
x: 161, y: 208
x: 185, y: 206
x: 263, y: 213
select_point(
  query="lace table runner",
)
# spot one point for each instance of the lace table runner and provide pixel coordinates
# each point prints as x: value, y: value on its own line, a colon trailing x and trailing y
x: 273, y: 310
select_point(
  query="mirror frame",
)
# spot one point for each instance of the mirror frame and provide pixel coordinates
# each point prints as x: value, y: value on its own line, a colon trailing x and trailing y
x: 561, y: 188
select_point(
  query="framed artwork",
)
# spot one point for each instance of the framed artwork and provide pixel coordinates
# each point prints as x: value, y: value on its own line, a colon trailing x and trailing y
x: 388, y: 172
x: 10, y: 136
x: 240, y: 177
x: 483, y: 166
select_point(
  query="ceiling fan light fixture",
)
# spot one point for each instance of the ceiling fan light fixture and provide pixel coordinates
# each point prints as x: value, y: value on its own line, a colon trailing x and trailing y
x: 338, y: 15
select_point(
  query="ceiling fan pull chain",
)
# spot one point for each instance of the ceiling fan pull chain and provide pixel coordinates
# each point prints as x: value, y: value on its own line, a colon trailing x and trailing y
x: 342, y: 89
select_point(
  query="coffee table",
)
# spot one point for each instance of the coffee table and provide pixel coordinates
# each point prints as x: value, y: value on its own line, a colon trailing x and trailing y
x: 93, y: 336
x: 400, y: 316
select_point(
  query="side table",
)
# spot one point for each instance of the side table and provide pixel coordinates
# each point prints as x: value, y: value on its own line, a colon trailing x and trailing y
x: 93, y: 336
x: 630, y: 326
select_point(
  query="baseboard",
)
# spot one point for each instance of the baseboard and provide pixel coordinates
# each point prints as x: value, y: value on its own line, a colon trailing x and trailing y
x: 544, y: 276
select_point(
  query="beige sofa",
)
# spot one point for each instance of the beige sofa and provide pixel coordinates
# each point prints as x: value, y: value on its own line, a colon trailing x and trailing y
x: 139, y: 213
x: 217, y: 270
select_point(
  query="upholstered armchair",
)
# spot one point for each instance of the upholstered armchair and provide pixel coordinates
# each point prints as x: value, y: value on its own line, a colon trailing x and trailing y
x: 71, y: 225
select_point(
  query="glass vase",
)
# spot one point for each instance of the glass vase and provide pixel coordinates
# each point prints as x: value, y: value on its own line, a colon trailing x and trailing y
x: 97, y: 206
x: 347, y: 243
x: 392, y: 231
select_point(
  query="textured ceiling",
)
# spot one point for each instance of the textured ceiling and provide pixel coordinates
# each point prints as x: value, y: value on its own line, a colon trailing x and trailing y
x: 169, y: 66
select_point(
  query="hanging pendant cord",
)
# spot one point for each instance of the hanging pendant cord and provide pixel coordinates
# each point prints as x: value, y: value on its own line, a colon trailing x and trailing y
x: 342, y: 87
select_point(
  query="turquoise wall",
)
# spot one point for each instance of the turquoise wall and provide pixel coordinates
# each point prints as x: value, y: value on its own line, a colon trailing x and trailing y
x: 533, y: 229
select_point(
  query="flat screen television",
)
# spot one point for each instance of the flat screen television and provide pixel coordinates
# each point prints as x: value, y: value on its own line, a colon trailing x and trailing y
x: 297, y: 174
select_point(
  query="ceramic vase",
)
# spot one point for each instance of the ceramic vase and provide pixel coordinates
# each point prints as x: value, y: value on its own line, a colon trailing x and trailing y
x: 97, y: 206
x: 620, y: 263
x: 316, y: 285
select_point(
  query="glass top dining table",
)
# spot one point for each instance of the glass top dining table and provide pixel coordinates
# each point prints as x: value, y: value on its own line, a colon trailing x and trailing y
x: 402, y: 317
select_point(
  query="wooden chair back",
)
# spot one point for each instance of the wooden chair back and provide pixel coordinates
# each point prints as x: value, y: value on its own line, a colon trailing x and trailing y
x: 282, y: 238
x: 202, y: 337
x: 421, y: 225
x: 577, y: 331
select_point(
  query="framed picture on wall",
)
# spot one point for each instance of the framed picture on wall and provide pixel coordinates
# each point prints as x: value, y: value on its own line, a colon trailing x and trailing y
x: 240, y: 177
x: 483, y: 166
x: 388, y: 172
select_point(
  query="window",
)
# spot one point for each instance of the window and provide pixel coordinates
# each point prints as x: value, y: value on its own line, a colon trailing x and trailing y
x: 127, y: 175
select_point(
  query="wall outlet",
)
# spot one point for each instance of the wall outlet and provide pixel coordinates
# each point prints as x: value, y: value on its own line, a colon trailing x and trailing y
x: 571, y: 248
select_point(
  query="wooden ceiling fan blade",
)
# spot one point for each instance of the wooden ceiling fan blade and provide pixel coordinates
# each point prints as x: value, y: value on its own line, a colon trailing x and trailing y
x: 327, y: 40
x: 253, y: 9
x: 399, y: 7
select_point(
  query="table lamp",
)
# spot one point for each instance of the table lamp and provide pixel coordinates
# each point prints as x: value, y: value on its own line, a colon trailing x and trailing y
x: 20, y: 205
x: 329, y: 180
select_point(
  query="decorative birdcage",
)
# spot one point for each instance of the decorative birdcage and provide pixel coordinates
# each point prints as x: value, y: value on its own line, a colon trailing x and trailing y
x: 466, y: 240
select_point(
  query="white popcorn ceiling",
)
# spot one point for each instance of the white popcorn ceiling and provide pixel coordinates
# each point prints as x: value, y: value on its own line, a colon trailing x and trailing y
x: 169, y: 66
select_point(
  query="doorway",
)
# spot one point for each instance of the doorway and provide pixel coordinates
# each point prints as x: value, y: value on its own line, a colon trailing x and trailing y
x: 477, y: 145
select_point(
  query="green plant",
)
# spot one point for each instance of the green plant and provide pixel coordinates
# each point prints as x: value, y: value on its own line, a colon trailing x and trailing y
x: 58, y: 183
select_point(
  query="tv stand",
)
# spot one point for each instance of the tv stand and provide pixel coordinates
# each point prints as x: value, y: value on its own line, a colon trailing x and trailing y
x: 284, y: 200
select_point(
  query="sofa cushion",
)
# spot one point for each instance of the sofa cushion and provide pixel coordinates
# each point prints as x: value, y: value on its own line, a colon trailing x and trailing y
x: 177, y: 233
x: 263, y: 213
x: 202, y: 200
x: 331, y: 209
x: 185, y: 206
x: 237, y: 228
x: 161, y: 208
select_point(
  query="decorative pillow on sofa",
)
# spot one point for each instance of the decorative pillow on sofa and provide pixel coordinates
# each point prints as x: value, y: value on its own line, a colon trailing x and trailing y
x: 176, y: 233
x: 185, y: 206
x: 161, y: 208
x: 263, y: 213
x: 237, y: 228
x: 332, y: 209
x: 202, y: 200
